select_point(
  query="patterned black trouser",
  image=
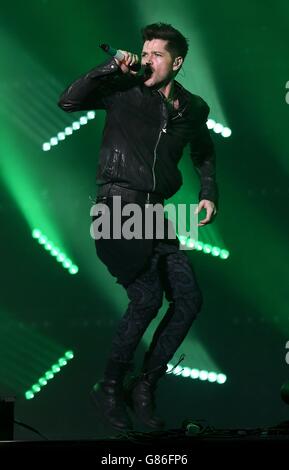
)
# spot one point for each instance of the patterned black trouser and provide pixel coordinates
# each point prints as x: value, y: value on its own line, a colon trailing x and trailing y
x: 171, y: 272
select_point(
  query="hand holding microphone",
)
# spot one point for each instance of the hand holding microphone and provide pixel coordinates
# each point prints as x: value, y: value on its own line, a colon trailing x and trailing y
x: 127, y: 61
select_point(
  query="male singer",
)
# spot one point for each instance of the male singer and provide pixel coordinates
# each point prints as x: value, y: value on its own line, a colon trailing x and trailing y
x: 150, y: 118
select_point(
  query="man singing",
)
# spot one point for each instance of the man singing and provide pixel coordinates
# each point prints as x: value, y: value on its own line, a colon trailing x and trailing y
x: 150, y: 118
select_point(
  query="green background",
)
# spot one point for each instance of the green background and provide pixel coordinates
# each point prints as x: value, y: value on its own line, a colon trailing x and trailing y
x: 238, y: 62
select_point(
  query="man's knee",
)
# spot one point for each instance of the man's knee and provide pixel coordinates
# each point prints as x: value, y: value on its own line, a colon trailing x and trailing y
x: 145, y: 299
x: 192, y: 303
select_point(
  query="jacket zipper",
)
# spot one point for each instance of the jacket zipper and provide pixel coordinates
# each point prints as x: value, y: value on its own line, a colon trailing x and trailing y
x: 177, y: 116
x: 163, y: 130
x: 154, y: 162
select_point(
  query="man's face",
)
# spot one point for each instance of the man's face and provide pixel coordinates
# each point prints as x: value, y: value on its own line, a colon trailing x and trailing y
x: 160, y: 60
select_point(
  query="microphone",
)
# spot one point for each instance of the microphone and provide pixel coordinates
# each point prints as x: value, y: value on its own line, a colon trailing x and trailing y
x: 117, y: 54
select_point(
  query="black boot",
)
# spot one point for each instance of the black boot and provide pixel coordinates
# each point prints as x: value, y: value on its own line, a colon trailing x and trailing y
x: 107, y: 396
x: 140, y: 396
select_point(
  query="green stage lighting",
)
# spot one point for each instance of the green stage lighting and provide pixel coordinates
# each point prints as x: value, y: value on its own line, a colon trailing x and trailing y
x: 75, y: 126
x: 204, y: 247
x: 48, y: 375
x: 203, y: 375
x: 54, y: 251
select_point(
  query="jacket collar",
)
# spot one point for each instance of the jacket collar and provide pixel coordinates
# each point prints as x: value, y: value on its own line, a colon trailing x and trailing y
x: 179, y: 92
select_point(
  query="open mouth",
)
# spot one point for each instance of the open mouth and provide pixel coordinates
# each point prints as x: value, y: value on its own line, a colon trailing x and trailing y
x: 148, y: 71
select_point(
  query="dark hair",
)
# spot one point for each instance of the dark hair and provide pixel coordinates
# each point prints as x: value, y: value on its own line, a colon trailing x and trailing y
x: 177, y: 44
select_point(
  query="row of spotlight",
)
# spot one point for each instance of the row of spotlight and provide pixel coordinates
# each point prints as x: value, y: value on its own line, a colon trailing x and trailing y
x: 204, y: 247
x: 185, y: 372
x: 203, y: 375
x: 55, y: 251
x: 211, y: 124
x: 68, y: 131
x: 48, y: 375
x: 73, y: 269
x: 218, y: 128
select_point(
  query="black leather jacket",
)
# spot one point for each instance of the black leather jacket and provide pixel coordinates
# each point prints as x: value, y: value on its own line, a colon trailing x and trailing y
x: 142, y: 141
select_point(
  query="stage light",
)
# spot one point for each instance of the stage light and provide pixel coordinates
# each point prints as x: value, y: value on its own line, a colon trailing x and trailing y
x: 215, y: 251
x: 221, y: 378
x: 55, y: 251
x: 68, y: 130
x: 182, y: 240
x: 60, y: 258
x: 211, y: 123
x: 224, y: 254
x: 42, y: 381
x: 62, y: 362
x: 199, y: 246
x: 203, y: 375
x: 218, y: 128
x: 226, y: 132
x: 212, y: 376
x: 46, y: 146
x: 69, y: 355
x: 49, y: 375
x: 190, y: 243
x: 75, y: 126
x: 73, y: 269
x: 53, y: 141
x: 186, y: 372
x: 61, y: 135
x: 206, y: 248
x: 67, y: 263
x: 90, y: 115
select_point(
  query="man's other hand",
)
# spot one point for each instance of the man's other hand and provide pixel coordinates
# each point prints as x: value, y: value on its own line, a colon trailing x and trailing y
x: 211, y: 211
x: 129, y: 59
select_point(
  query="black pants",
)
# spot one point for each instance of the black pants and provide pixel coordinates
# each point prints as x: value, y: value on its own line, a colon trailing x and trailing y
x: 148, y: 269
x: 169, y: 272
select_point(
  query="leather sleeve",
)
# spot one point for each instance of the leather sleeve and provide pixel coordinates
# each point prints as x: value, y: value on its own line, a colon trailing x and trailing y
x: 203, y: 155
x: 95, y: 89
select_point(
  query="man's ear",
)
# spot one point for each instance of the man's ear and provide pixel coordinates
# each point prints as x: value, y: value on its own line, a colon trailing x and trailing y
x: 177, y: 63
